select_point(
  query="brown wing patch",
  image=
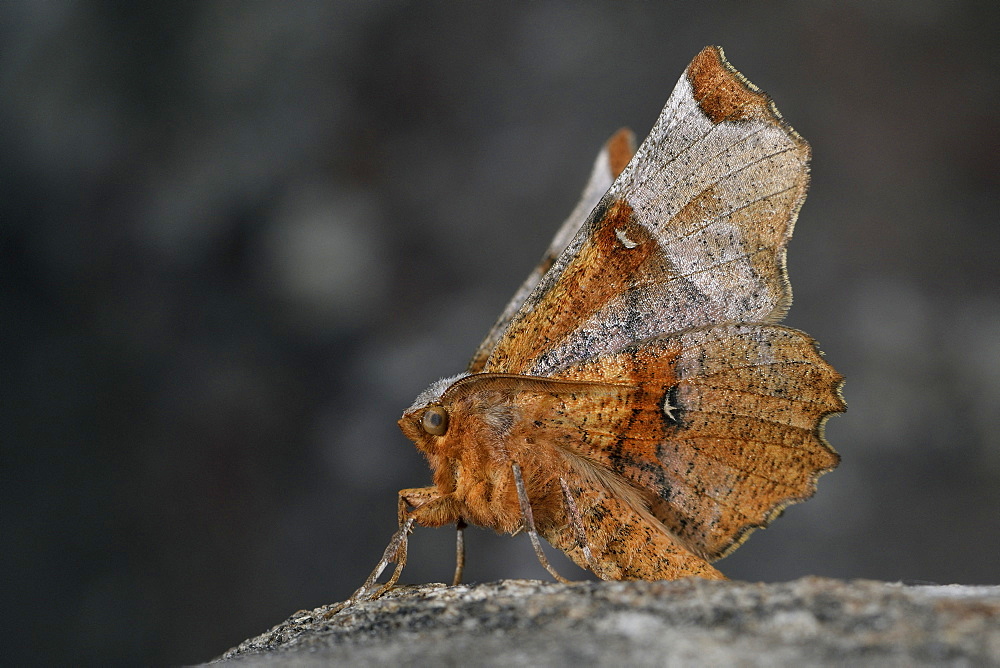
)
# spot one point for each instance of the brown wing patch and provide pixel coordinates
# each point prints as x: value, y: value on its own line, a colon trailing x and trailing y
x: 627, y: 255
x: 721, y: 91
x: 612, y: 159
x: 621, y: 148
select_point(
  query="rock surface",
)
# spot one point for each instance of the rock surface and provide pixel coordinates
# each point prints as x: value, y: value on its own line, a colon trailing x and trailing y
x: 520, y: 622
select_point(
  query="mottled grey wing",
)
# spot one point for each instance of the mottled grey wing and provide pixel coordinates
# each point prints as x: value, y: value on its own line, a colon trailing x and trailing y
x: 692, y: 233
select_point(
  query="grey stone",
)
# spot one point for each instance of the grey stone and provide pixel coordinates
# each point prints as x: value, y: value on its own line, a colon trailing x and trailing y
x: 690, y: 622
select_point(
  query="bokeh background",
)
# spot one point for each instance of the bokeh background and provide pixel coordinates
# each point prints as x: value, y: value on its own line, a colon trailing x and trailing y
x: 239, y: 238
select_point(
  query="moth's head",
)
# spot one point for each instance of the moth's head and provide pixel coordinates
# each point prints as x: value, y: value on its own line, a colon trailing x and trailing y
x: 427, y: 417
x: 424, y: 425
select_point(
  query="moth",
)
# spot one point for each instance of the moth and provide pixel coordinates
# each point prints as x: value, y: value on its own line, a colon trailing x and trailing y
x: 636, y: 404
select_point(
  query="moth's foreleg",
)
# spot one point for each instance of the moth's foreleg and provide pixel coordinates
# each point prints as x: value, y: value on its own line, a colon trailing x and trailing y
x: 428, y: 507
x: 529, y: 523
x: 395, y: 552
x: 414, y: 498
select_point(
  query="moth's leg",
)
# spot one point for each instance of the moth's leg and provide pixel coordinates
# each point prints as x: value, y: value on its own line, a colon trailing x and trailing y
x: 529, y: 523
x: 395, y: 551
x: 577, y: 523
x: 414, y: 498
x: 428, y: 504
x: 432, y: 507
x: 459, y: 552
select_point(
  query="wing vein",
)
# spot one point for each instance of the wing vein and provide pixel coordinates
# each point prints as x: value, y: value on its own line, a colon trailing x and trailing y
x: 725, y: 214
x: 694, y: 168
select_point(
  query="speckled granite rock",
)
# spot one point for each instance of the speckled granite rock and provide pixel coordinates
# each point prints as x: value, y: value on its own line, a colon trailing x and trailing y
x: 519, y: 622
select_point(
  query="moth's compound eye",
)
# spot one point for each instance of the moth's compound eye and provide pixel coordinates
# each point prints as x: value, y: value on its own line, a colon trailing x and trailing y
x: 435, y: 420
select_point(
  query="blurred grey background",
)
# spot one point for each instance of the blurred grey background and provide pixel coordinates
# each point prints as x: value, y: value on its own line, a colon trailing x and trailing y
x: 239, y: 237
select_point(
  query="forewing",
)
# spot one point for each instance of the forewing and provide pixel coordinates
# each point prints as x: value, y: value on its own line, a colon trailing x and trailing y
x: 612, y: 159
x: 724, y: 428
x: 693, y: 232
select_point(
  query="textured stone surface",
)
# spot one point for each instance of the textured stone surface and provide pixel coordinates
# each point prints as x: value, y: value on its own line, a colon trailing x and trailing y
x: 812, y: 620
